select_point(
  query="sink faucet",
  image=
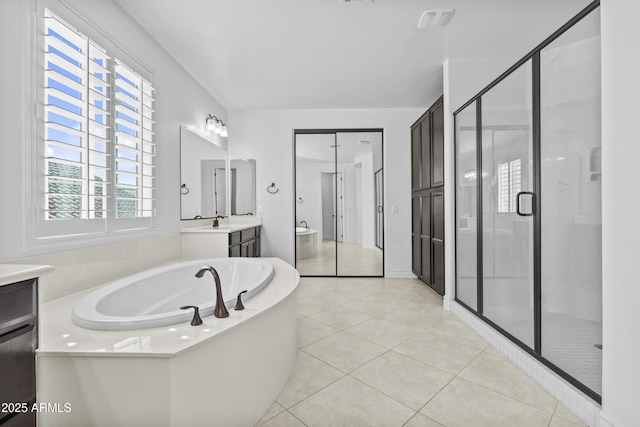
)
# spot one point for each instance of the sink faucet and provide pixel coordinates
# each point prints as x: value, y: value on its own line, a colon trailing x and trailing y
x: 215, y: 221
x: 220, y: 310
x: 305, y: 224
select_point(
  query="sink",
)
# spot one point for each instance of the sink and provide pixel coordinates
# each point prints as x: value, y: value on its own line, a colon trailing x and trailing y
x: 301, y: 229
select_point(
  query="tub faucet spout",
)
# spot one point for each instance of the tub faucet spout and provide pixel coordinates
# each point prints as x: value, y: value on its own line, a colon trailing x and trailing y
x: 220, y: 311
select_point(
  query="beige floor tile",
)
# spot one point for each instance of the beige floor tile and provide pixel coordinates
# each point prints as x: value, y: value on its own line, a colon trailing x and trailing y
x: 344, y: 351
x: 439, y: 349
x: 562, y: 412
x: 311, y: 305
x: 420, y: 420
x: 309, y: 375
x: 372, y: 305
x: 406, y: 380
x: 557, y: 421
x: 383, y: 332
x: 285, y: 419
x: 311, y: 330
x: 418, y: 316
x: 273, y: 410
x: 498, y: 374
x: 463, y: 403
x: 489, y: 349
x: 340, y: 318
x: 348, y: 402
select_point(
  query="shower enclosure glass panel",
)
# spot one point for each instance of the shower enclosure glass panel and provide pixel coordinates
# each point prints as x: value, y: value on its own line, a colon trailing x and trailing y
x: 507, y: 204
x: 571, y: 203
x: 467, y: 207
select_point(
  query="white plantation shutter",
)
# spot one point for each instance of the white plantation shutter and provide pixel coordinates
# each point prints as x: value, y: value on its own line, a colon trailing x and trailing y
x: 98, y: 153
x: 134, y: 148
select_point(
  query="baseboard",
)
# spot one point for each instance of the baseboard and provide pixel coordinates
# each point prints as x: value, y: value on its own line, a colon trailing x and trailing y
x: 606, y: 421
x: 399, y: 275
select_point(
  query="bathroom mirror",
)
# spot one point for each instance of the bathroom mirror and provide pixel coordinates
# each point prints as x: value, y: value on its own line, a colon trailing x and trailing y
x: 242, y: 186
x: 203, y: 177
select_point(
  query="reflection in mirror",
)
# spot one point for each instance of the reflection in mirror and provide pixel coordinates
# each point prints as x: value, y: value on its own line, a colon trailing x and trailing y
x: 203, y: 177
x: 339, y: 204
x: 242, y: 186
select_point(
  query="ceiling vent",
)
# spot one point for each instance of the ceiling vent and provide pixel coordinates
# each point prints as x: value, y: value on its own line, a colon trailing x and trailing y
x: 435, y: 18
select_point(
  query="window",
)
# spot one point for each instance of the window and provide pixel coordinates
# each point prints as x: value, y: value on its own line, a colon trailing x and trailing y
x: 98, y: 146
x: 508, y: 185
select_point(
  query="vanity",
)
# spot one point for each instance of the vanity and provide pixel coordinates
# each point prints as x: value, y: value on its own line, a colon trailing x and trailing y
x: 234, y: 237
x: 18, y: 342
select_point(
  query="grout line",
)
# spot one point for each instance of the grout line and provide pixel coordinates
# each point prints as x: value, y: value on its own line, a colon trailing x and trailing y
x: 302, y: 422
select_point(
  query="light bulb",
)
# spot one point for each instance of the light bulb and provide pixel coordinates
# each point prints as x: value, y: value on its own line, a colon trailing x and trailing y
x: 224, y: 133
x: 218, y: 127
x: 210, y: 124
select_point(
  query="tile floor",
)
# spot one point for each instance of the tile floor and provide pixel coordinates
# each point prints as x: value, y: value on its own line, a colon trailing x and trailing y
x: 383, y: 352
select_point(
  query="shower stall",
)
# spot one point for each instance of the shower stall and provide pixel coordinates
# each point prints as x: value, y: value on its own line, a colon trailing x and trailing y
x: 528, y: 204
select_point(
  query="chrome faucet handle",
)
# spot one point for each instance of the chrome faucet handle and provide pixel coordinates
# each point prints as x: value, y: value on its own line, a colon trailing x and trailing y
x: 196, y: 314
x: 239, y: 305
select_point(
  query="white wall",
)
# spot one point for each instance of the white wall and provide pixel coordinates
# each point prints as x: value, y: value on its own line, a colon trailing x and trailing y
x: 620, y: 207
x: 180, y: 101
x: 267, y: 136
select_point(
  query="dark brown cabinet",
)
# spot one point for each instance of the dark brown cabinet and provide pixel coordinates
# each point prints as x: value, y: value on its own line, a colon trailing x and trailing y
x: 18, y: 343
x: 245, y: 243
x: 427, y: 179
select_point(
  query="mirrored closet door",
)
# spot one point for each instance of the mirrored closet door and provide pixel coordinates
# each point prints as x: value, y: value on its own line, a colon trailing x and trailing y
x: 339, y: 203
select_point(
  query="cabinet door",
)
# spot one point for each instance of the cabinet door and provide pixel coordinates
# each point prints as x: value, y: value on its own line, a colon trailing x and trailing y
x: 17, y: 366
x: 437, y: 242
x: 437, y: 145
x: 234, y: 251
x: 425, y: 238
x: 415, y: 236
x: 425, y: 157
x: 415, y: 156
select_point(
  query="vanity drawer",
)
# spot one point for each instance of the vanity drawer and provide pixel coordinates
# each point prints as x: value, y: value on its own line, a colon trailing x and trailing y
x: 247, y: 234
x: 235, y: 238
x: 17, y: 303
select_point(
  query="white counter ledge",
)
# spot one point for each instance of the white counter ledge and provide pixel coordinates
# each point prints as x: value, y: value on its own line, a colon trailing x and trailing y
x: 60, y: 336
x: 12, y: 273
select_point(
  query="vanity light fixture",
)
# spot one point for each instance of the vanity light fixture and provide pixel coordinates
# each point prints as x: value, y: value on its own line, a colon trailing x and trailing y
x: 216, y: 125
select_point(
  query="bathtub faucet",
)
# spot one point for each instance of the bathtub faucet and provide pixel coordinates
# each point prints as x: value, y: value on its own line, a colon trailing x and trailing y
x: 220, y: 310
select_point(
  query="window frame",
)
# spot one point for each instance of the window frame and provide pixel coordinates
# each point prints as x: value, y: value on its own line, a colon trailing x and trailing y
x: 41, y: 233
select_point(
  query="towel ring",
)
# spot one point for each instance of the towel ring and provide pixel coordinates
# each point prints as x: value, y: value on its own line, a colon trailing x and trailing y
x: 272, y: 189
x: 184, y: 189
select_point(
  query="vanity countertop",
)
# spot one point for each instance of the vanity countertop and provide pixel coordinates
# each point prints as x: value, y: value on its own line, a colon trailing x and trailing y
x: 226, y: 226
x: 12, y: 273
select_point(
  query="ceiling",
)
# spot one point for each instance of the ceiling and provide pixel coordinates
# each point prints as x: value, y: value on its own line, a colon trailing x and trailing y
x: 329, y: 54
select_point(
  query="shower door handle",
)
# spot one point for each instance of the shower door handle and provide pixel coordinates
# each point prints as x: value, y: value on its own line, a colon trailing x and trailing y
x: 518, y: 196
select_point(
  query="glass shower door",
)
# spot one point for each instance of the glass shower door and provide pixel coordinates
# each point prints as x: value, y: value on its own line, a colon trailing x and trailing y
x: 507, y: 204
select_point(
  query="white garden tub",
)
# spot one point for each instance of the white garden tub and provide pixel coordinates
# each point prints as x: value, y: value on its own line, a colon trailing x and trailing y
x: 153, y: 297
x: 224, y: 372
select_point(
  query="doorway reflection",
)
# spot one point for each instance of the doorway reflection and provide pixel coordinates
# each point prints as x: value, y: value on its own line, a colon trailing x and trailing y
x: 339, y: 203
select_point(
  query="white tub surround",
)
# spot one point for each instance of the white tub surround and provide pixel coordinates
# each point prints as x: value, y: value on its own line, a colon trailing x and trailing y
x: 13, y: 273
x: 306, y: 243
x: 201, y: 240
x: 224, y: 372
